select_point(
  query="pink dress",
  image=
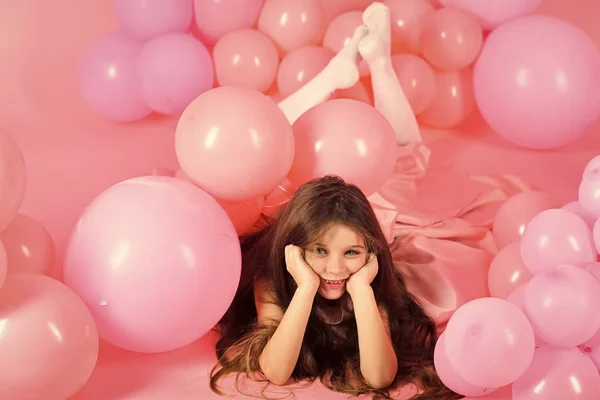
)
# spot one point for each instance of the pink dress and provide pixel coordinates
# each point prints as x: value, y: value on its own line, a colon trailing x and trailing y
x: 438, y: 225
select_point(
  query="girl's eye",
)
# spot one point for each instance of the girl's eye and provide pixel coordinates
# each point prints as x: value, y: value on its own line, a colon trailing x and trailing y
x: 352, y: 252
x: 320, y: 250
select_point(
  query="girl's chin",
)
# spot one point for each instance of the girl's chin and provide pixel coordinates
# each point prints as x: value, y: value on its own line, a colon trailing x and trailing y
x: 332, y: 294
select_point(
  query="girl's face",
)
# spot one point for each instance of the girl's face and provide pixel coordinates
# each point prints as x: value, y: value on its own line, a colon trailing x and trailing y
x: 337, y: 254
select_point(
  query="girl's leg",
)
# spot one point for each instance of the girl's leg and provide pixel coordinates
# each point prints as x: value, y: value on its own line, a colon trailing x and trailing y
x: 389, y: 97
x: 340, y: 73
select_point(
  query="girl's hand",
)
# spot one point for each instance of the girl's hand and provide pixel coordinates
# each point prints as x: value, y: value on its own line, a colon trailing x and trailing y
x: 302, y: 273
x: 364, y: 276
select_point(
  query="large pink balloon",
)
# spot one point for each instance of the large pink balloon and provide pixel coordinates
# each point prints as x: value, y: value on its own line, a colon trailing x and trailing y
x: 592, y: 169
x: 489, y: 342
x: 248, y: 58
x: 347, y: 138
x: 13, y: 179
x: 492, y: 13
x: 417, y: 79
x: 558, y: 373
x: 173, y: 70
x: 147, y: 19
x: 335, y: 8
x: 589, y: 195
x: 29, y: 246
x: 507, y: 271
x: 216, y: 18
x: 555, y: 237
x: 576, y: 208
x: 292, y: 23
x: 451, y: 39
x: 49, y: 342
x: 450, y: 377
x: 516, y: 212
x: 561, y: 304
x: 536, y: 81
x: 109, y: 79
x: 517, y: 297
x: 235, y: 143
x: 3, y: 264
x: 157, y: 261
x: 300, y: 66
x: 340, y: 31
x: 407, y: 22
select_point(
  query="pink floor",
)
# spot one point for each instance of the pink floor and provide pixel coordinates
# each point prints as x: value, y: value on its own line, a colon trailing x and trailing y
x: 72, y: 155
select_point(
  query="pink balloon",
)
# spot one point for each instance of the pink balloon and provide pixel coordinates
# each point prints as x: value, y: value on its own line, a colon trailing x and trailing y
x: 589, y: 195
x: 156, y: 260
x: 3, y: 264
x: 109, y: 79
x: 451, y: 39
x: 507, y: 271
x: 417, y: 79
x: 516, y: 212
x: 558, y: 373
x: 246, y: 58
x: 592, y: 169
x: 596, y: 235
x: 561, y: 303
x: 174, y: 69
x: 542, y: 72
x: 29, y: 246
x: 450, y: 377
x: 49, y: 342
x: 556, y: 237
x: 594, y: 270
x: 244, y: 214
x: 453, y: 102
x: 300, y: 66
x: 335, y: 8
x: 292, y: 23
x: 517, y: 297
x: 217, y: 18
x: 359, y: 92
x: 407, y: 20
x: 235, y: 143
x: 576, y: 208
x: 592, y: 349
x: 347, y: 138
x: 13, y: 179
x: 493, y: 13
x: 276, y: 201
x: 340, y: 31
x: 148, y: 19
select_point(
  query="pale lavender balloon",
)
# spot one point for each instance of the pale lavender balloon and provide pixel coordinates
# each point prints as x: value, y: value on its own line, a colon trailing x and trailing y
x: 561, y: 303
x: 108, y: 78
x: 558, y: 373
x: 589, y: 195
x: 592, y: 169
x: 555, y: 237
x: 517, y: 297
x: 174, y: 69
x: 576, y: 208
x: 146, y: 19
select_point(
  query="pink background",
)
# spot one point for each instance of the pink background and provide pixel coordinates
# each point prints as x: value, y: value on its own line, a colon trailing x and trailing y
x: 72, y: 155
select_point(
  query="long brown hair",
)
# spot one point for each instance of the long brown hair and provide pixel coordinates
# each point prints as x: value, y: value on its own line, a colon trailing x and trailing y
x: 316, y: 206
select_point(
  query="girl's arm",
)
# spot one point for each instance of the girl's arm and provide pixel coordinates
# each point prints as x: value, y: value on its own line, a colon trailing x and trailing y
x: 279, y: 357
x: 378, y: 362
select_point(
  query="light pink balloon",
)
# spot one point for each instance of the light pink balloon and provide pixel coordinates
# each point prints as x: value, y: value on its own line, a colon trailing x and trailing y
x: 3, y: 264
x: 359, y: 92
x: 489, y: 342
x: 173, y: 70
x: 542, y: 72
x: 592, y: 349
x: 558, y: 373
x: 29, y: 246
x: 576, y: 208
x: 555, y: 237
x: 451, y: 39
x: 13, y: 179
x: 592, y: 169
x: 335, y: 8
x: 235, y: 143
x: 300, y: 66
x: 492, y: 13
x: 246, y: 58
x: 156, y: 260
x: 417, y: 79
x: 589, y: 195
x: 148, y: 19
x: 453, y: 102
x: 407, y: 21
x: 450, y: 377
x: 507, y: 271
x: 292, y: 23
x: 517, y: 297
x: 340, y: 31
x: 516, y: 212
x: 561, y: 304
x: 109, y: 79
x: 347, y: 138
x: 217, y: 18
x: 596, y: 235
x: 49, y: 342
